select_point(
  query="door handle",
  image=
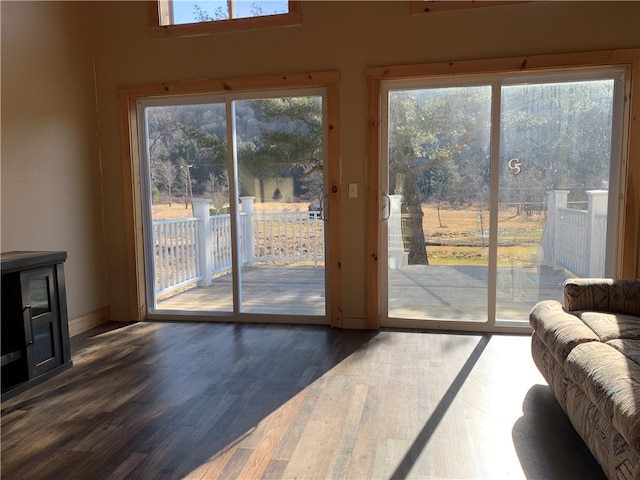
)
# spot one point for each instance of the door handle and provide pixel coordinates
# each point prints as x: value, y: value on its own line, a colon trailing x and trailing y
x: 323, y: 209
x: 388, y: 208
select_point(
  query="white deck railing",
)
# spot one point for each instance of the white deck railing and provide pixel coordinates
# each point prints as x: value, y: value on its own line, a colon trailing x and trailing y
x: 176, y: 255
x: 288, y: 237
x: 573, y: 225
x: 220, y: 227
x: 572, y: 239
x: 576, y: 239
x: 182, y: 255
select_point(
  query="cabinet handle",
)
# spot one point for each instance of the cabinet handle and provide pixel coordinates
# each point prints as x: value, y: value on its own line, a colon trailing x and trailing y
x: 28, y: 307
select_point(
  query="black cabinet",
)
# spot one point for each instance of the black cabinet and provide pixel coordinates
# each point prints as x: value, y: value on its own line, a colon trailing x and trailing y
x: 35, y: 331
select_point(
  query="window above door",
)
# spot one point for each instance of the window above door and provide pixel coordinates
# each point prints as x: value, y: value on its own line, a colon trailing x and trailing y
x: 193, y: 17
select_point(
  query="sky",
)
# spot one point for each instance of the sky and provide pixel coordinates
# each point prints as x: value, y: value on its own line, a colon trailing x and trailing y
x: 184, y: 9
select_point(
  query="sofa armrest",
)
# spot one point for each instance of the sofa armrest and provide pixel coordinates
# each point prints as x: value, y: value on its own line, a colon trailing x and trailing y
x: 602, y: 295
x: 559, y: 330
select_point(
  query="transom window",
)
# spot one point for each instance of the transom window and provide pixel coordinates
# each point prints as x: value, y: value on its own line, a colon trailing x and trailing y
x: 178, y: 12
x: 198, y: 17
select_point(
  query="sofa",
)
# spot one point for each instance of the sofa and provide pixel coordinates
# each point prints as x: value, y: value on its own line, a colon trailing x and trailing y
x: 588, y: 351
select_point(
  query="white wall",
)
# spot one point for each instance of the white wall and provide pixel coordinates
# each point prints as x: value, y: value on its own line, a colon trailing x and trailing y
x: 349, y: 37
x: 51, y: 188
x: 51, y: 177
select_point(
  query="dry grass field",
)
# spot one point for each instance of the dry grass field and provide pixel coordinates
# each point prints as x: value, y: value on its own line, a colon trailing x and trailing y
x: 453, y: 235
x: 163, y: 211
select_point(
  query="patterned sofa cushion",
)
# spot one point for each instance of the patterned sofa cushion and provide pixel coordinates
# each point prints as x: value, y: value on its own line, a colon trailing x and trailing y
x: 612, y: 382
x: 604, y: 295
x: 559, y: 331
x: 611, y: 449
x: 551, y: 369
x: 611, y: 326
x: 629, y: 348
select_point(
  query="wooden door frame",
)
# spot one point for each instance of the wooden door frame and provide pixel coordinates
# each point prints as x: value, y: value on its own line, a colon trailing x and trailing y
x: 127, y: 102
x: 628, y: 239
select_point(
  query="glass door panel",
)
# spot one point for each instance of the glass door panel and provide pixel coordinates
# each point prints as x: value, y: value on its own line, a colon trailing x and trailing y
x: 281, y: 187
x: 189, y: 248
x: 498, y: 193
x: 44, y: 347
x: 555, y: 160
x: 235, y: 191
x: 438, y: 203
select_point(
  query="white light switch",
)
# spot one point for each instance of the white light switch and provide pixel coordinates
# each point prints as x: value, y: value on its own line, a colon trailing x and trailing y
x: 353, y: 190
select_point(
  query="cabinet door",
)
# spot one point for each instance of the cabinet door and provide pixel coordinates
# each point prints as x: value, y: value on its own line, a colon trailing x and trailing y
x: 41, y: 317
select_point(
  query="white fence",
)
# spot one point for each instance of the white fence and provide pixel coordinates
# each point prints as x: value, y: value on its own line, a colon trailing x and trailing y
x: 576, y: 239
x: 176, y: 252
x: 288, y: 237
x: 572, y: 239
x: 397, y: 256
x: 194, y: 250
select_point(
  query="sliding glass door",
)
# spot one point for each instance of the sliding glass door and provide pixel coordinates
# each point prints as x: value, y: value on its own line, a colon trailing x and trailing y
x: 558, y: 185
x: 233, y: 194
x: 281, y: 186
x: 438, y: 182
x: 496, y: 190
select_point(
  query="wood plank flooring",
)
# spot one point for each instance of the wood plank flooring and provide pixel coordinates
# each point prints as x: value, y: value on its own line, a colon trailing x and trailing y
x: 224, y: 401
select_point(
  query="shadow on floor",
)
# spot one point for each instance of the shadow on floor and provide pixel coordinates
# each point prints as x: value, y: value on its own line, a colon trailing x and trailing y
x: 547, y: 445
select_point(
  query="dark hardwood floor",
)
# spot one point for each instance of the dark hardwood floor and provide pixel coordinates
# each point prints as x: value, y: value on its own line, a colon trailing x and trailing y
x: 209, y: 401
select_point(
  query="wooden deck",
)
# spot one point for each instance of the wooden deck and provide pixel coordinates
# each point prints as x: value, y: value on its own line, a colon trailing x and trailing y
x: 416, y: 292
x: 461, y: 292
x: 167, y: 400
x: 269, y: 289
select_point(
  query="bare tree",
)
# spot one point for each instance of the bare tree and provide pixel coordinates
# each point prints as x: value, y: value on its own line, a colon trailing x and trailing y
x: 164, y: 175
x: 429, y: 128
